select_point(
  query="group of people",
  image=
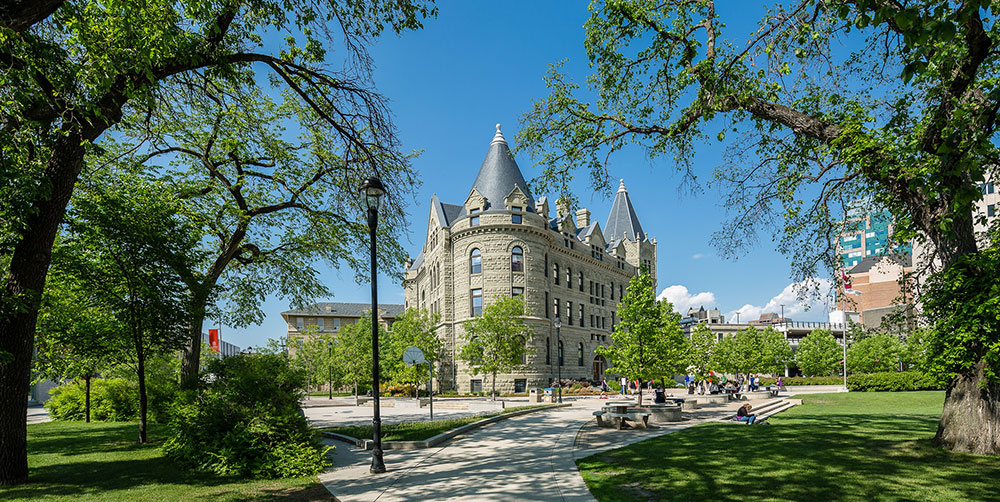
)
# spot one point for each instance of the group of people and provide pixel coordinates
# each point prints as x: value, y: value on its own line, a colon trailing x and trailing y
x: 715, y: 385
x: 633, y: 386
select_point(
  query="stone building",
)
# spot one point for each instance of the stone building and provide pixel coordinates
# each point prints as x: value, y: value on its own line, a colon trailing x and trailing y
x: 501, y: 241
x: 328, y: 317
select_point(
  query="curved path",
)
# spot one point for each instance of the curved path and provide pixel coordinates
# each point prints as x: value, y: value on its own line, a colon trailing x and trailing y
x: 527, y: 458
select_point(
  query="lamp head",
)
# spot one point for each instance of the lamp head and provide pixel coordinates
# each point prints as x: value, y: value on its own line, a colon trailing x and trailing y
x: 372, y: 191
x: 558, y: 323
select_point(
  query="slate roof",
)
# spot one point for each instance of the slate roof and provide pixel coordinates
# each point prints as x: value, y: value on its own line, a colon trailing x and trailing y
x: 340, y: 309
x: 869, y: 262
x: 499, y: 174
x: 622, y: 220
x: 446, y: 213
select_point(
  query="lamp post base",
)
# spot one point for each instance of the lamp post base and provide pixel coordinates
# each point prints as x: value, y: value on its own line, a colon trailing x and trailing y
x: 378, y: 465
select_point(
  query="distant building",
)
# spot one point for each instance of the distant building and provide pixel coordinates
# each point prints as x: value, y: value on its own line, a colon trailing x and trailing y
x: 865, y: 234
x: 702, y: 316
x: 329, y: 317
x: 768, y: 319
x: 878, y: 288
x: 225, y: 348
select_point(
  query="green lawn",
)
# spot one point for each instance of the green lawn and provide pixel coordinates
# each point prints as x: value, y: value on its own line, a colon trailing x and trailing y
x: 418, y: 431
x: 101, y: 461
x: 854, y: 447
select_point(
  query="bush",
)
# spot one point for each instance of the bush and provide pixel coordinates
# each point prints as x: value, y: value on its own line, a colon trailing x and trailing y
x: 891, y: 381
x: 112, y: 400
x: 245, y: 420
x: 818, y: 380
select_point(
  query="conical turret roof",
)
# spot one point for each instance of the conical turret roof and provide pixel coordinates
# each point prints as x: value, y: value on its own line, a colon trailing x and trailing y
x: 499, y: 175
x: 623, y: 221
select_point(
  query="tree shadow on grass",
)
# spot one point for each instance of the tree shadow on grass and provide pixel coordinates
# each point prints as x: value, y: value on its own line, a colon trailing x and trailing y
x: 813, y: 457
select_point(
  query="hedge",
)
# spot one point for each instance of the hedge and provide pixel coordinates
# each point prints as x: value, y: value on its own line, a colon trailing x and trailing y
x: 823, y: 380
x: 892, y: 381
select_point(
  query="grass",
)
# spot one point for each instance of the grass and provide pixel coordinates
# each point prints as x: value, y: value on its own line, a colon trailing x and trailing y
x: 101, y: 461
x: 418, y: 431
x: 848, y: 447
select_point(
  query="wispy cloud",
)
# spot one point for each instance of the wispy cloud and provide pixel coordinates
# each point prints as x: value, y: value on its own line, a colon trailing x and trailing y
x: 698, y: 256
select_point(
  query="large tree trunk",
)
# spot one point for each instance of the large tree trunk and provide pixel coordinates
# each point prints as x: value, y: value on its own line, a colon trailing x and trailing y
x: 970, y: 421
x: 21, y: 293
x: 191, y: 360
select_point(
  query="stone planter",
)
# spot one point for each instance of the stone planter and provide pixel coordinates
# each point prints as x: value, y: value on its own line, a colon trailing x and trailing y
x: 662, y: 413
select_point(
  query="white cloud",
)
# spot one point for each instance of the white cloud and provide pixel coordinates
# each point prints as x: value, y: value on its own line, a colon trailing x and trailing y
x: 683, y: 299
x: 698, y: 256
x: 810, y: 306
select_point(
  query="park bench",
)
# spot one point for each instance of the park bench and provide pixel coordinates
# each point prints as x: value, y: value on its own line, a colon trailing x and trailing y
x: 772, y: 390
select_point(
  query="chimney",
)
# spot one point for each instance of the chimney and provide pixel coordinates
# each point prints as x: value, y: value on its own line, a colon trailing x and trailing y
x: 582, y: 218
x: 562, y: 208
x: 542, y: 207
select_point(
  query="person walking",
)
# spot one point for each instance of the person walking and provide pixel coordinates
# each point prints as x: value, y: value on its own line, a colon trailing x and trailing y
x: 624, y: 382
x: 604, y: 388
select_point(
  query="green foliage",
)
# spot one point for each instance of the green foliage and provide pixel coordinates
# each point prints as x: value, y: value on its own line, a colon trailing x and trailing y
x: 313, y: 354
x: 963, y: 307
x: 893, y: 381
x: 701, y: 351
x: 751, y: 350
x: 818, y: 353
x: 498, y: 340
x: 648, y: 341
x: 823, y: 380
x: 244, y: 420
x: 413, y: 328
x: 878, y: 353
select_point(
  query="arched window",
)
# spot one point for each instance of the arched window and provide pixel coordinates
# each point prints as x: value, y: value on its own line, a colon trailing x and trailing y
x: 548, y: 355
x: 476, y: 266
x: 560, y: 353
x: 524, y: 353
x: 579, y: 354
x: 517, y: 259
x: 581, y: 281
x: 555, y: 272
x: 569, y: 277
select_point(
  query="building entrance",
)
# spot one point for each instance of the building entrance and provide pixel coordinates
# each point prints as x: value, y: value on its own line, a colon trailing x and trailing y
x: 600, y: 364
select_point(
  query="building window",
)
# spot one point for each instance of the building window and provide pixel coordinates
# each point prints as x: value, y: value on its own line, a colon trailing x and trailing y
x: 520, y: 385
x: 612, y: 290
x: 320, y: 322
x: 474, y: 217
x: 579, y: 354
x: 591, y: 320
x: 515, y: 218
x: 476, y: 261
x: 299, y: 323
x: 581, y: 315
x: 555, y: 308
x: 991, y: 210
x: 476, y: 386
x: 569, y: 277
x: 477, y: 302
x: 524, y: 353
x: 560, y: 353
x: 621, y: 291
x: 545, y: 269
x: 517, y: 259
x: 515, y: 291
x: 547, y: 305
x: 555, y: 272
x: 569, y: 313
x: 336, y: 323
x: 580, y: 278
x: 548, y: 356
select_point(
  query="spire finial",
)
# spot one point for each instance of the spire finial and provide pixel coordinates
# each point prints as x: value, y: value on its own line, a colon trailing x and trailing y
x: 498, y: 138
x: 621, y: 186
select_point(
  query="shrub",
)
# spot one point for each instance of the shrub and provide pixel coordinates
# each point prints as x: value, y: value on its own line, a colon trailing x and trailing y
x: 817, y: 380
x: 112, y: 399
x: 245, y: 420
x: 891, y: 381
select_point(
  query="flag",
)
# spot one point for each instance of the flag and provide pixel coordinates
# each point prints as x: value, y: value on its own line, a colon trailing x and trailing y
x: 213, y: 339
x: 847, y: 280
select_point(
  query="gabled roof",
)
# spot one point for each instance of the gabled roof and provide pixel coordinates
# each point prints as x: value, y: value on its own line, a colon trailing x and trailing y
x: 340, y: 309
x: 446, y: 213
x: 622, y: 221
x: 499, y: 175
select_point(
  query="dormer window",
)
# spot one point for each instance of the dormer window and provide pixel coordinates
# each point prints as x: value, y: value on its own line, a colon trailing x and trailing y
x: 474, y: 217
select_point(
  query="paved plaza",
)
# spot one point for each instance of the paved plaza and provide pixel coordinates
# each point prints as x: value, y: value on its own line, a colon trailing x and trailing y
x: 530, y: 457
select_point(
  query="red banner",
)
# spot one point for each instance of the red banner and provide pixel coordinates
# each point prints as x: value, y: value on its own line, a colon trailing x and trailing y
x: 213, y: 339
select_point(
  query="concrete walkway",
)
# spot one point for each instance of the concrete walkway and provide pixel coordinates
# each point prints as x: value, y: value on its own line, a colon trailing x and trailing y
x: 527, y: 458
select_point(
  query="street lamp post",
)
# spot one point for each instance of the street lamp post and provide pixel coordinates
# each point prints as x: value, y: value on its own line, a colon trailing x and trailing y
x: 372, y: 192
x: 329, y: 365
x: 559, y: 356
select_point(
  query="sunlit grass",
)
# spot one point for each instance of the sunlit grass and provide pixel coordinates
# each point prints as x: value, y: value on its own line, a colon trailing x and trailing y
x: 855, y: 447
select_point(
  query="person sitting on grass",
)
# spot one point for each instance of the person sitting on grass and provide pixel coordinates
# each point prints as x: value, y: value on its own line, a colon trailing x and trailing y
x: 743, y: 414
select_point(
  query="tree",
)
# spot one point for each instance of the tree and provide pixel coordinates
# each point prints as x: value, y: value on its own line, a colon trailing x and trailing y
x: 819, y: 353
x: 881, y: 352
x: 888, y: 102
x: 70, y: 72
x: 751, y: 351
x: 413, y: 328
x: 778, y: 353
x: 314, y: 356
x: 648, y: 340
x: 72, y: 339
x: 123, y: 243
x: 498, y: 340
x: 353, y: 352
x: 701, y: 351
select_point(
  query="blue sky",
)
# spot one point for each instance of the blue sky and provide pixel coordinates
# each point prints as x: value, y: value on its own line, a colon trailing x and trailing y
x: 478, y: 64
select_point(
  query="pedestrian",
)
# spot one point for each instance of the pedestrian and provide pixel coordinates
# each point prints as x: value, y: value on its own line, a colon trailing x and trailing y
x: 781, y: 383
x: 624, y: 390
x: 604, y: 387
